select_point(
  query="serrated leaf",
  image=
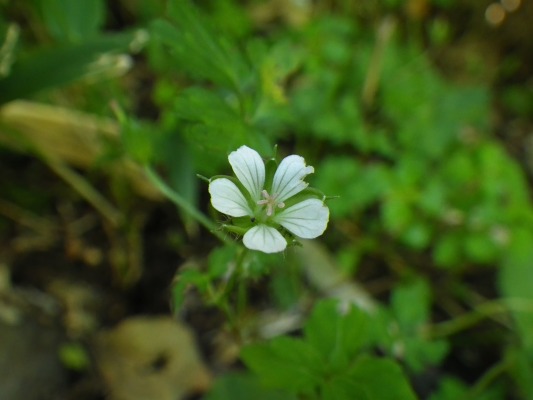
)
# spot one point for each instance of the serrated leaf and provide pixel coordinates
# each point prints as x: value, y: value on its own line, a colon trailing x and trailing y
x: 197, y: 104
x: 202, y: 52
x: 191, y: 57
x: 338, y: 335
x: 420, y: 353
x: 382, y: 379
x: 286, y: 363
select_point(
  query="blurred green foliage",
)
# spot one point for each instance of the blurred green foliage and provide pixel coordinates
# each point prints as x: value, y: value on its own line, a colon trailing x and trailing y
x: 325, y: 363
x: 426, y: 193
x: 70, y: 21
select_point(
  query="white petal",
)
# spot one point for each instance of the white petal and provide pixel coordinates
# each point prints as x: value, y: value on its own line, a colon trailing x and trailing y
x: 264, y: 238
x: 228, y: 199
x: 307, y: 219
x: 249, y: 168
x: 288, y: 179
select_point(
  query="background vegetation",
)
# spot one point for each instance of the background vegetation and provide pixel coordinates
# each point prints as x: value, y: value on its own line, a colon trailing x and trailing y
x: 417, y: 114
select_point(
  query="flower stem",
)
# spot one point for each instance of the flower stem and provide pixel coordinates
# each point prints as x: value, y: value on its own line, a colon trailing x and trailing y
x: 183, y: 204
x: 242, y: 298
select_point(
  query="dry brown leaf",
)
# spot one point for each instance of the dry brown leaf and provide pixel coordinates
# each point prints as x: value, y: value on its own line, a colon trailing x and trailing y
x: 150, y: 358
x: 65, y: 135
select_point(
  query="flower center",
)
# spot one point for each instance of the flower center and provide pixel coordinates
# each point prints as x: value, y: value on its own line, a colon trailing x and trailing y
x: 270, y: 202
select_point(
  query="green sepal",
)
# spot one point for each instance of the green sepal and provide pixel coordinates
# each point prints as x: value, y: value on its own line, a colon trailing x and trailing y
x: 293, y: 242
x: 235, y: 229
x: 245, y: 222
x: 231, y: 178
x: 204, y: 178
x: 289, y: 237
x: 271, y: 165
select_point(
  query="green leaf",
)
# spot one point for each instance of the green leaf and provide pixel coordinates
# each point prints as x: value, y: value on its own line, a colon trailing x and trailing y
x: 382, y: 379
x: 176, y: 154
x: 417, y: 235
x: 235, y: 386
x: 186, y: 279
x: 420, y: 353
x: 220, y: 260
x: 479, y: 247
x: 201, y: 52
x: 340, y: 176
x: 58, y: 66
x: 358, y: 186
x: 396, y: 213
x: 340, y: 388
x: 210, y: 121
x: 73, y: 21
x: 138, y: 140
x: 411, y: 304
x: 428, y: 112
x: 286, y: 286
x: 338, y: 335
x: 201, y: 105
x: 285, y: 363
x: 452, y: 389
x: 447, y: 251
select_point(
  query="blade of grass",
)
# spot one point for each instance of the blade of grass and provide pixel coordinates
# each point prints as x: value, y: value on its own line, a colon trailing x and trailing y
x: 184, y: 205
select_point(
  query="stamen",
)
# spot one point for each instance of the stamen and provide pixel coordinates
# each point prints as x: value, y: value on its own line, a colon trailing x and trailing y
x: 270, y: 202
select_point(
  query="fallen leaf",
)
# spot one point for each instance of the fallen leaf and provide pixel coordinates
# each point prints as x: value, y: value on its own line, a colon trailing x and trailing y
x: 150, y: 358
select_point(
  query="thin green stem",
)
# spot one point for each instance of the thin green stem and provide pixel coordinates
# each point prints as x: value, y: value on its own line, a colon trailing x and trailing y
x: 242, y: 298
x: 483, y: 383
x: 183, y: 204
x: 481, y: 312
x: 236, y: 284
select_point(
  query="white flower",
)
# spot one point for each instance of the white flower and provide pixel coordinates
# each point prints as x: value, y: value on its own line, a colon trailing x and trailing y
x: 264, y: 202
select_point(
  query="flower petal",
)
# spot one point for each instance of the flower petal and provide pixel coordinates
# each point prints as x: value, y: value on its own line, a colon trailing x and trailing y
x: 288, y: 179
x: 228, y: 199
x: 250, y: 170
x: 307, y: 219
x: 264, y: 238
